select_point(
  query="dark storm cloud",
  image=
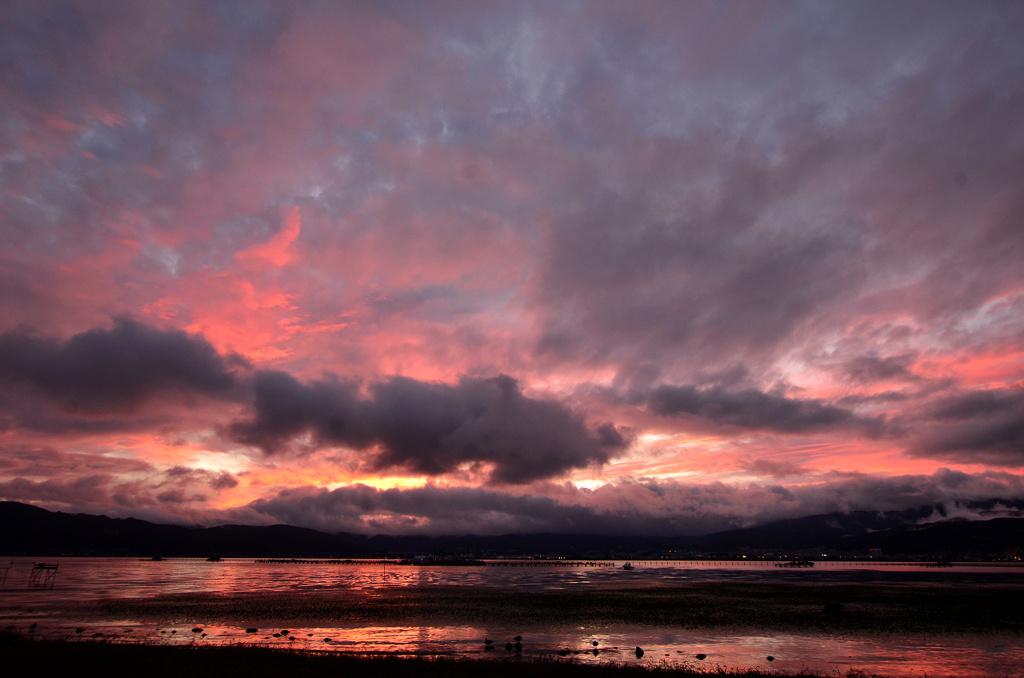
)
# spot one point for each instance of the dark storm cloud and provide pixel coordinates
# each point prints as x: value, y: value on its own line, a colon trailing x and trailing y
x: 776, y: 469
x: 872, y: 367
x: 94, y: 382
x: 34, y: 461
x: 99, y: 490
x: 221, y: 480
x: 284, y: 408
x: 980, y: 426
x: 94, y: 483
x: 431, y: 509
x: 755, y: 409
x: 116, y: 369
x: 20, y: 409
x: 431, y: 428
x: 184, y: 485
x: 625, y: 507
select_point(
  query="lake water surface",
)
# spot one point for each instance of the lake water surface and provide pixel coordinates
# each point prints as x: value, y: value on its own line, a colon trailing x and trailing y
x: 94, y: 579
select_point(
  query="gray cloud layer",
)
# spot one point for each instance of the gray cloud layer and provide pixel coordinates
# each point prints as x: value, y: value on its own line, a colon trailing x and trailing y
x: 115, y: 370
x: 96, y: 380
x: 431, y: 428
x: 984, y: 426
x: 413, y: 425
x: 824, y: 194
x: 729, y: 236
x: 621, y: 508
x: 752, y: 409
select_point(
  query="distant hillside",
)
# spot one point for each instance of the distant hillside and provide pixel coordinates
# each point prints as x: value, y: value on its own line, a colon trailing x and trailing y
x: 30, y: 530
x: 949, y: 539
x: 896, y: 533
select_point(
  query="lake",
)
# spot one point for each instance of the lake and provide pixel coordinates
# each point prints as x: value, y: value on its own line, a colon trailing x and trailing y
x: 82, y: 582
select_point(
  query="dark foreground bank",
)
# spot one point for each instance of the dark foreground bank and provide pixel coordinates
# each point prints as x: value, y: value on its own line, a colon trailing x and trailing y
x: 22, y: 656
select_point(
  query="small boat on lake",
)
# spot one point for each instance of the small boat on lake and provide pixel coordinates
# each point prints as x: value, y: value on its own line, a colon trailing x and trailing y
x: 627, y: 566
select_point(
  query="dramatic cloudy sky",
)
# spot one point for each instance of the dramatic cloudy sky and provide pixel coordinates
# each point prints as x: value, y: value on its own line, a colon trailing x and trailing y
x: 663, y: 267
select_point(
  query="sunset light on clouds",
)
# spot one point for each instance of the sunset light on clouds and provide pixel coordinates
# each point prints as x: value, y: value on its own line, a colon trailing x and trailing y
x: 604, y: 267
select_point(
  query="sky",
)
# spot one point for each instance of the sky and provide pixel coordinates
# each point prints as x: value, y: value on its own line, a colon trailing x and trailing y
x: 488, y: 267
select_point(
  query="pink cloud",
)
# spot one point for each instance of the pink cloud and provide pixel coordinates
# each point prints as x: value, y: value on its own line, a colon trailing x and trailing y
x: 277, y: 251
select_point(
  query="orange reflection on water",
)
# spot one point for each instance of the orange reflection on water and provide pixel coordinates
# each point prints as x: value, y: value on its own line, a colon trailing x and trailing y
x: 938, y: 657
x: 83, y: 579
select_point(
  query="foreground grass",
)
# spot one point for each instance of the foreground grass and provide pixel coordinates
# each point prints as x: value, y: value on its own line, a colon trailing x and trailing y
x: 27, y: 657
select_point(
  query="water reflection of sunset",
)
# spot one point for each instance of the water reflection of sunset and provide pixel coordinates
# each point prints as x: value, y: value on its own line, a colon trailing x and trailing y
x: 322, y: 607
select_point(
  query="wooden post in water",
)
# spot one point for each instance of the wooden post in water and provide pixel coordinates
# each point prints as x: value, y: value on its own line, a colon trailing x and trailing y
x: 43, y: 576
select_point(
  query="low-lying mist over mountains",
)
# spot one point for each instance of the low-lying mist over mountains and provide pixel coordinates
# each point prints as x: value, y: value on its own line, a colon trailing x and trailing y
x: 992, y: 529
